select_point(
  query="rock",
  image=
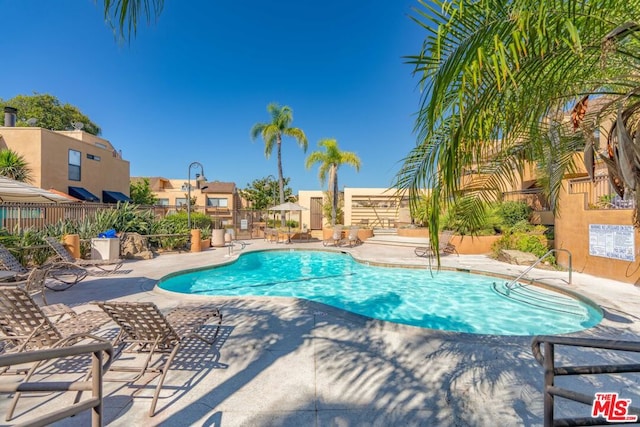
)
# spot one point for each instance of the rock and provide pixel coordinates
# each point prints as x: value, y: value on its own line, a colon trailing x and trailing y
x: 134, y: 246
x: 517, y: 257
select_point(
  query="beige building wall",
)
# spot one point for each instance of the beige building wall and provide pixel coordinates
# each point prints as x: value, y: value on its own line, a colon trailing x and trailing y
x: 373, y: 207
x: 47, y: 153
x: 173, y: 193
x: 572, y: 234
x: 304, y: 199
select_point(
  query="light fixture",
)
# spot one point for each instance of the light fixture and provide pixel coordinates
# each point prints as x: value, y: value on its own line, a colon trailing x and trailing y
x: 199, y: 179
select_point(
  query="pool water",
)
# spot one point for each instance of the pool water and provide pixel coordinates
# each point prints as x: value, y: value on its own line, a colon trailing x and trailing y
x: 452, y: 301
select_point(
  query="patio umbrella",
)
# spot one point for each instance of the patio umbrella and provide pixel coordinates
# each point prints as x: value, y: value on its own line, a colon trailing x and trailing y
x: 288, y: 207
x: 16, y: 191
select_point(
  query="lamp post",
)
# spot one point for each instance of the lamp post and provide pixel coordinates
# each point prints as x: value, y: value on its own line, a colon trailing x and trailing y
x: 199, y: 179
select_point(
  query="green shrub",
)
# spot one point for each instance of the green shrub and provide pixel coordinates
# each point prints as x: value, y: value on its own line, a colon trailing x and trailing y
x: 458, y: 219
x: 514, y: 212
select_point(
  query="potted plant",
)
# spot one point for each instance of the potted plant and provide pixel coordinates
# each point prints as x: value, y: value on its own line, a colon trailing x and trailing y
x: 217, y: 234
x: 205, y: 237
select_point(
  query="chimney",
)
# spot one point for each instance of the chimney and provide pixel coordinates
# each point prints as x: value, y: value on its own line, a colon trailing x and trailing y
x: 10, y: 116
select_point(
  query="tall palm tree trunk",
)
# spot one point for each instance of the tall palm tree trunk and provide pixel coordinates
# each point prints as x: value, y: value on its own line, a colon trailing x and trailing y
x: 280, y: 180
x: 334, y: 188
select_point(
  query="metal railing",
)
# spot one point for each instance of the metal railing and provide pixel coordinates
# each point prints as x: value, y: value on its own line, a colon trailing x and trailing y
x: 543, y: 348
x: 599, y: 193
x: 513, y: 282
x: 94, y: 384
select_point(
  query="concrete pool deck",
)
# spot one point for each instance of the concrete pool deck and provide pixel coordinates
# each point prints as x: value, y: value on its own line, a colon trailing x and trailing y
x: 287, y: 362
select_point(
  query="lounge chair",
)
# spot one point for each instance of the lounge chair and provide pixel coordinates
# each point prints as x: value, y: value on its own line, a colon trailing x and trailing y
x: 336, y: 237
x: 24, y: 327
x: 35, y: 279
x: 444, y: 246
x: 105, y: 267
x: 143, y: 328
x: 352, y: 238
x: 304, y: 233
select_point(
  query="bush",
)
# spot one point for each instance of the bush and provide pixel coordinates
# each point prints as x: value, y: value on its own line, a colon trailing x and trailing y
x: 514, y: 212
x: 487, y: 223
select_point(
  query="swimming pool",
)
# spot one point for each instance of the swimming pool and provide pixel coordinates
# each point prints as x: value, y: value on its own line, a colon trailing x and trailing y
x: 452, y: 301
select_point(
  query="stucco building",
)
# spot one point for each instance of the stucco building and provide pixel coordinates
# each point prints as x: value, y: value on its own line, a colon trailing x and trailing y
x: 76, y: 163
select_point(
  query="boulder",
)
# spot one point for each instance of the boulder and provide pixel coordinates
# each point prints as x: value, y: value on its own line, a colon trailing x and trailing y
x: 134, y: 246
x: 517, y: 257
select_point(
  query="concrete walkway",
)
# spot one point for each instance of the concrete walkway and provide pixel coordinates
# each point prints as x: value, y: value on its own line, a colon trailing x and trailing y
x: 287, y: 362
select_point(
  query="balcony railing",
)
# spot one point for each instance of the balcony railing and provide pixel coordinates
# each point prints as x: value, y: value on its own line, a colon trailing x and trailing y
x: 599, y: 193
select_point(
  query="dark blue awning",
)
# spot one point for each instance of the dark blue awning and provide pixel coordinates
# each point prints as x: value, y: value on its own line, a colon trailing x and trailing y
x: 83, y: 194
x: 114, y: 197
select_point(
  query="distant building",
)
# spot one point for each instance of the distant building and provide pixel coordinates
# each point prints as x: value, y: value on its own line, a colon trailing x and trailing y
x: 217, y: 199
x: 76, y: 163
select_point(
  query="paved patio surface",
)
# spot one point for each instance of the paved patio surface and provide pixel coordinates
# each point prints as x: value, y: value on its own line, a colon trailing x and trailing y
x: 288, y: 362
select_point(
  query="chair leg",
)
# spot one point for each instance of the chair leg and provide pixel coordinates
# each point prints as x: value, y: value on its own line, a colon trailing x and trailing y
x: 165, y: 369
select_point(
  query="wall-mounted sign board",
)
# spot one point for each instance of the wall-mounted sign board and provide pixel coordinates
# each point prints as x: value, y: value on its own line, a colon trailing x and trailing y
x: 612, y: 241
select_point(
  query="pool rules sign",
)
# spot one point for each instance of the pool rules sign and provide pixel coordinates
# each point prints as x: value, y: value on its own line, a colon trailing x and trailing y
x: 612, y: 241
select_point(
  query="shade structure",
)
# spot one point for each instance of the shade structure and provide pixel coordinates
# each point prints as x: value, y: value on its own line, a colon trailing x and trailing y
x: 83, y: 194
x: 114, y: 197
x: 16, y: 191
x: 288, y: 207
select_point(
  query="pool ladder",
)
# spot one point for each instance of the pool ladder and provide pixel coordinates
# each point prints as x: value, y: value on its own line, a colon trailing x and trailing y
x: 510, y: 285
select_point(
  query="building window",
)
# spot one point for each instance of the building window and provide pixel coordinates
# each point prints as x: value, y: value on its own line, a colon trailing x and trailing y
x: 92, y: 157
x: 74, y: 165
x: 101, y: 145
x: 213, y: 202
x: 162, y: 202
x: 181, y: 201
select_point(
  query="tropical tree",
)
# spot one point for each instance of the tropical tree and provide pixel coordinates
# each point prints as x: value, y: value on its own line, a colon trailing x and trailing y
x: 500, y: 78
x: 48, y: 112
x: 14, y: 166
x: 330, y: 161
x: 261, y: 193
x: 123, y: 15
x: 272, y: 133
x: 141, y: 194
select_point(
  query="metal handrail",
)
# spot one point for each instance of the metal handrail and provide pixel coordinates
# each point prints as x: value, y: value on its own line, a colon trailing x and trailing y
x: 546, y: 359
x: 512, y: 283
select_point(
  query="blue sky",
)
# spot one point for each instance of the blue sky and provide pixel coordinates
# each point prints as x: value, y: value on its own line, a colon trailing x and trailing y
x: 190, y: 86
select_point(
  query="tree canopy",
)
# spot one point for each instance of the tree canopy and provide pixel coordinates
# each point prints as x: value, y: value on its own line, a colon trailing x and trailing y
x: 140, y: 193
x: 499, y: 80
x: 272, y: 133
x: 49, y: 113
x: 330, y: 161
x: 262, y: 193
x: 123, y: 15
x: 14, y: 166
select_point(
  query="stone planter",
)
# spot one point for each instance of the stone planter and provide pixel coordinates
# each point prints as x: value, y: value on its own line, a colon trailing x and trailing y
x: 217, y: 237
x: 205, y: 244
x: 365, y: 233
x: 413, y: 232
x: 474, y: 245
x: 195, y: 240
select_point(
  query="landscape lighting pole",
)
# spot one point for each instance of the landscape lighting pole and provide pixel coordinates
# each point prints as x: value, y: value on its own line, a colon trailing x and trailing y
x: 200, y: 178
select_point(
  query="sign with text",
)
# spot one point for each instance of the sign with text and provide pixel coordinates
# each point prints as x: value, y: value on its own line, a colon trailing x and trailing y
x: 612, y: 241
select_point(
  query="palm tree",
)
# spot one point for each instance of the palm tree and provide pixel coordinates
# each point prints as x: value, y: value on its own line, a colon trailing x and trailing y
x: 272, y: 133
x: 330, y: 160
x: 499, y: 77
x: 123, y: 15
x: 14, y: 166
